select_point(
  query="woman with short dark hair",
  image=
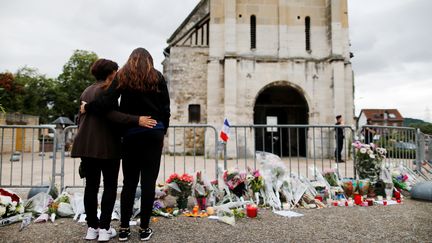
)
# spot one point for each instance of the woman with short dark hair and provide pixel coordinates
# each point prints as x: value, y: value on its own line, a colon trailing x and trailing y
x: 98, y: 144
x: 143, y: 90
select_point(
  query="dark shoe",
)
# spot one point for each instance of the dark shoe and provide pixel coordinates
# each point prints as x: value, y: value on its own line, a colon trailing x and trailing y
x: 145, y: 234
x: 124, y: 234
x: 340, y: 161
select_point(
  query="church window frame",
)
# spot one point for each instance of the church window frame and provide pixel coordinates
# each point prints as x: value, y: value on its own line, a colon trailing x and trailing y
x: 308, y: 34
x: 253, y: 32
x: 194, y: 113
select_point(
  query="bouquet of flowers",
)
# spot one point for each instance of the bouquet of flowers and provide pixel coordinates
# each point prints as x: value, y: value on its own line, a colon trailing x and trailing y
x: 235, y: 182
x: 10, y: 204
x: 201, y: 189
x: 350, y: 186
x: 180, y: 187
x: 368, y: 160
x: 331, y: 177
x: 255, y: 183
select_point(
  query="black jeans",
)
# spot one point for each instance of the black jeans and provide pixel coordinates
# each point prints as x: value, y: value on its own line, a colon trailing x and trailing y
x: 141, y: 156
x: 338, y: 150
x: 109, y: 169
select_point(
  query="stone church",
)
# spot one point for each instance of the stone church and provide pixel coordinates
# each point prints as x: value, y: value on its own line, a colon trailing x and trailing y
x: 249, y: 60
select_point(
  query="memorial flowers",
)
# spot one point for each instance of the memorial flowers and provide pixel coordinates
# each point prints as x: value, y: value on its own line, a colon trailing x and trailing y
x: 201, y: 190
x: 235, y: 182
x: 368, y: 160
x: 10, y: 204
x: 180, y: 187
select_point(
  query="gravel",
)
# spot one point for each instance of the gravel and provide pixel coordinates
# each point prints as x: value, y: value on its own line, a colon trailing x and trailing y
x: 408, y: 222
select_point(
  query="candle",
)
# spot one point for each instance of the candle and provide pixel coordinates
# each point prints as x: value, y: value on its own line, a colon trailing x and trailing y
x: 398, y: 200
x: 385, y: 202
x: 357, y: 199
x: 370, y: 202
x: 397, y: 194
x: 210, y: 210
x: 380, y: 198
x: 251, y: 211
x: 195, y: 209
x: 319, y: 197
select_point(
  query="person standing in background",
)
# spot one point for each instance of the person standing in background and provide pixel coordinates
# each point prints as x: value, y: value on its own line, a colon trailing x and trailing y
x: 368, y: 132
x: 339, y: 136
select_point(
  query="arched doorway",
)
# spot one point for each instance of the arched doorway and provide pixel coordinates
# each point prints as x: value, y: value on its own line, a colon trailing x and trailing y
x: 286, y: 104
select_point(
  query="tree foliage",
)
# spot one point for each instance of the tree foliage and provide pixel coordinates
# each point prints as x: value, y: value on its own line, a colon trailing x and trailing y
x: 73, y: 80
x: 28, y: 92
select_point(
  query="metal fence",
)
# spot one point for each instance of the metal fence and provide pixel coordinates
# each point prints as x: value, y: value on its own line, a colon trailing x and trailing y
x: 30, y: 155
x: 187, y: 148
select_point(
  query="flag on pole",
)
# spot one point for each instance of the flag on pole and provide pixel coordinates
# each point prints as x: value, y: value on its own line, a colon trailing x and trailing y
x: 224, y: 133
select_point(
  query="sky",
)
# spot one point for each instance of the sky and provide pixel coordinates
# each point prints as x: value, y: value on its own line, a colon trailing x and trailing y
x: 391, y: 41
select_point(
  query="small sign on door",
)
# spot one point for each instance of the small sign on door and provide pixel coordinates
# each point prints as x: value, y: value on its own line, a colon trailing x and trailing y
x: 272, y: 120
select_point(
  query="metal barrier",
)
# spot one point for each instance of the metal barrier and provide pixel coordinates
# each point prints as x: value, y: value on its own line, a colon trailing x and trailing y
x: 187, y: 148
x: 403, y: 144
x: 28, y: 156
x: 299, y: 146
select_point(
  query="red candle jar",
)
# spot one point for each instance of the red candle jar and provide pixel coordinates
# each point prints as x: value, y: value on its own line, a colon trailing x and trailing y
x: 385, y: 203
x: 319, y: 197
x: 398, y: 201
x: 251, y: 211
x: 335, y: 203
x: 370, y: 202
x: 357, y: 199
x: 397, y: 194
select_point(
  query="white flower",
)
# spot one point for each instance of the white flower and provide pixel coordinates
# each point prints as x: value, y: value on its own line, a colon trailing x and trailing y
x: 372, y: 156
x: 369, y: 151
x: 363, y: 150
x: 5, y: 200
x: 2, y: 210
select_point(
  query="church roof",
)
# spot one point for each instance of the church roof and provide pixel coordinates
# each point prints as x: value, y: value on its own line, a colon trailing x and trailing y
x: 198, y: 14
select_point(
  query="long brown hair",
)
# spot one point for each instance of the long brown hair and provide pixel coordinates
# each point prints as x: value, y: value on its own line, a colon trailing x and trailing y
x: 138, y: 73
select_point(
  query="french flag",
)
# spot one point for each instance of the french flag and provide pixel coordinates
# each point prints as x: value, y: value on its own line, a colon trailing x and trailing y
x: 224, y: 133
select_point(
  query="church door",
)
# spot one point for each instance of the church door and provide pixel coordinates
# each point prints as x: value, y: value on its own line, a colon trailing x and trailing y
x: 285, y: 105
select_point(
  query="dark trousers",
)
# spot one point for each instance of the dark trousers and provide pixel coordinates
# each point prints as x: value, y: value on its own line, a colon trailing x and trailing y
x: 339, y: 147
x: 141, y: 156
x: 109, y: 169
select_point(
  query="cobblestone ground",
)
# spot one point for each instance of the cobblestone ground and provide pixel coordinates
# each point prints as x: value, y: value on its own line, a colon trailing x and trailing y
x: 408, y: 222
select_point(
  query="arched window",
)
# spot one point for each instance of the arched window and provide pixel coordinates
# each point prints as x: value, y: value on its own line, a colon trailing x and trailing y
x: 253, y: 31
x: 307, y: 33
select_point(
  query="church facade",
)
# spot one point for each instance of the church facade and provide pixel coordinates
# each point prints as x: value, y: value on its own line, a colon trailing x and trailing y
x: 251, y: 60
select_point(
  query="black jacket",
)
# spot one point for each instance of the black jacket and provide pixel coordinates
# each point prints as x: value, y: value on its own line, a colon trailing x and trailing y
x: 339, y: 132
x: 154, y: 104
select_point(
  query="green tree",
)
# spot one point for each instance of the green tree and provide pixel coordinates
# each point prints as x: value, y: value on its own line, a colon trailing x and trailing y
x: 73, y: 80
x: 28, y: 92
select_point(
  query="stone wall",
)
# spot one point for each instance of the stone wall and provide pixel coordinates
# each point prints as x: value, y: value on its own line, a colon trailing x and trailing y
x: 186, y: 73
x: 28, y: 138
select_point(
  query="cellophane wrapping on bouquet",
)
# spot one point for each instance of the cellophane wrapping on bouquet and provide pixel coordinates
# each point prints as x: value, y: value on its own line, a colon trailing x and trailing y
x: 274, y: 173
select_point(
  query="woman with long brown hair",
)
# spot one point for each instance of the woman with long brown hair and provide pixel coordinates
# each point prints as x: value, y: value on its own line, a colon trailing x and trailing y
x: 143, y: 90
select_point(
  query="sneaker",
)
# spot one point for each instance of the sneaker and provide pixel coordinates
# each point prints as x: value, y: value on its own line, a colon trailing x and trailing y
x: 106, y: 235
x: 145, y: 234
x: 124, y: 234
x: 92, y: 233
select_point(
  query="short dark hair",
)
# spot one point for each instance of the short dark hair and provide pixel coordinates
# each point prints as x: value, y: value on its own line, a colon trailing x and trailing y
x: 102, y: 68
x: 338, y: 117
